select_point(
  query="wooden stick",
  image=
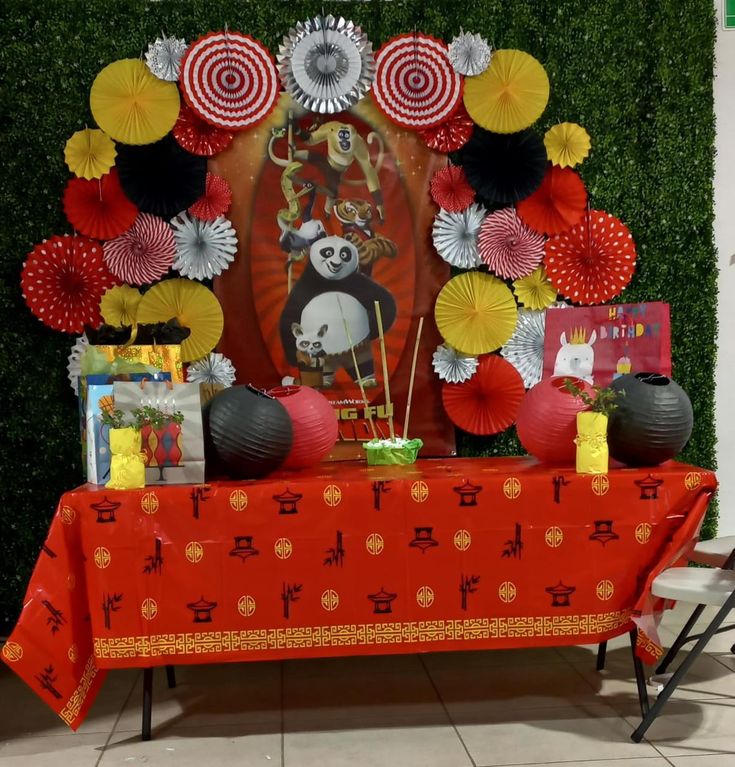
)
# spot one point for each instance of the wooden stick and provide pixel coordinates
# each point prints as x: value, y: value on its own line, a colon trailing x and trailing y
x: 384, y: 358
x: 413, y: 375
x: 357, y: 372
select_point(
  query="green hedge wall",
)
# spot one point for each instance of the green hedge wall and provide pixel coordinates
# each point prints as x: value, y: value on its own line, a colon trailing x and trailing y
x: 637, y: 74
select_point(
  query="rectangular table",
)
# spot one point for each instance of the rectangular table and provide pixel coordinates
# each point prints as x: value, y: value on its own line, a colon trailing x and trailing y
x: 345, y: 559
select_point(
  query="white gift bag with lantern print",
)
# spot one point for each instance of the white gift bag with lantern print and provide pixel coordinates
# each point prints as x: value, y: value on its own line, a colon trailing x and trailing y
x: 170, y: 420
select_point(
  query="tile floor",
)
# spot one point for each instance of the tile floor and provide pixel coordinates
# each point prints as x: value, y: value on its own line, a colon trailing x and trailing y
x: 479, y: 709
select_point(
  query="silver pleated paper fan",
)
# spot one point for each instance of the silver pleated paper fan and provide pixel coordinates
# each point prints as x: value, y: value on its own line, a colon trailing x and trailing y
x: 75, y: 361
x: 470, y: 54
x: 455, y: 236
x: 525, y: 349
x: 215, y: 368
x: 204, y: 249
x: 451, y: 366
x: 326, y: 64
x: 164, y: 57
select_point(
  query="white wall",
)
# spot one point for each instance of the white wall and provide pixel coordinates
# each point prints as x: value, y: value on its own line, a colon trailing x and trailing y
x: 725, y: 242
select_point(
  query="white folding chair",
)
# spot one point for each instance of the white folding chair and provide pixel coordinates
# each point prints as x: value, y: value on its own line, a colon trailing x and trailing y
x: 697, y: 586
x: 717, y: 552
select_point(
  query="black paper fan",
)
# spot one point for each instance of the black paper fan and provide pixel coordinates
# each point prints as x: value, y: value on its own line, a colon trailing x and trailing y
x: 161, y: 178
x: 504, y: 167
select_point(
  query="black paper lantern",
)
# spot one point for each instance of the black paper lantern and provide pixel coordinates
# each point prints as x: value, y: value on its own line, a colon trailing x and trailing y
x: 652, y: 422
x: 250, y: 431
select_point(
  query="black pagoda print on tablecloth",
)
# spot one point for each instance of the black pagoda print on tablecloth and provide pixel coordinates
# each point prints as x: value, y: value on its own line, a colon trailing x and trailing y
x: 649, y: 487
x: 336, y: 554
x: 560, y: 594
x: 467, y: 586
x: 106, y: 510
x: 199, y: 495
x: 202, y: 610
x: 380, y: 487
x: 603, y: 532
x: 288, y: 501
x: 423, y: 539
x: 468, y: 493
x: 382, y: 601
x: 244, y: 548
x: 154, y: 562
x: 514, y: 546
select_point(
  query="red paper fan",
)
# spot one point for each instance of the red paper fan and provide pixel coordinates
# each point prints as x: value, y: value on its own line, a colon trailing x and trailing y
x: 230, y: 80
x: 450, y: 189
x: 99, y: 207
x: 144, y: 253
x: 558, y: 204
x: 488, y: 402
x: 594, y: 261
x: 450, y: 135
x: 198, y: 136
x: 415, y: 84
x: 509, y: 247
x: 215, y: 201
x: 63, y: 280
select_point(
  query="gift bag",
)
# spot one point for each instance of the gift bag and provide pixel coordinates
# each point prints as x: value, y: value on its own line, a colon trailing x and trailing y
x: 127, y: 465
x: 166, y: 358
x: 95, y: 397
x: 601, y: 343
x: 169, y: 417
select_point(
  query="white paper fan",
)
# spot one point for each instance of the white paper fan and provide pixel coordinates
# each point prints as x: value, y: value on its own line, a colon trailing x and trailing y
x: 75, y: 361
x: 455, y: 236
x: 203, y: 248
x: 451, y: 366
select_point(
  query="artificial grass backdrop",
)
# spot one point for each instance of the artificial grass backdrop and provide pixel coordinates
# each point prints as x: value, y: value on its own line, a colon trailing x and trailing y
x: 640, y: 82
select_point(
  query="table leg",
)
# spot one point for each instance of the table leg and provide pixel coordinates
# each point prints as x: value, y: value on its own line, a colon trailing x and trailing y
x: 145, y: 733
x: 601, y: 653
x: 171, y: 677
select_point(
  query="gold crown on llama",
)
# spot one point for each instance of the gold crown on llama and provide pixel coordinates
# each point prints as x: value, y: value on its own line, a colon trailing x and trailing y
x: 578, y: 336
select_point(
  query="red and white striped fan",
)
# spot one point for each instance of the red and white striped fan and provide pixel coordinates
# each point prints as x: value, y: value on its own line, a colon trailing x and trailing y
x: 230, y: 80
x: 415, y: 84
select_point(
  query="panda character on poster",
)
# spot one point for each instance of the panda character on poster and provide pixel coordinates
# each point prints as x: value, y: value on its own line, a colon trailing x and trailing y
x: 330, y: 312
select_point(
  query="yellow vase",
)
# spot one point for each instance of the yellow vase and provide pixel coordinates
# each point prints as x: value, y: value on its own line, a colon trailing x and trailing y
x: 591, y: 441
x: 127, y: 464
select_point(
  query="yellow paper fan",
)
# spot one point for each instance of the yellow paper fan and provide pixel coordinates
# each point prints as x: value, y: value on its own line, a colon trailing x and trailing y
x: 510, y: 94
x: 535, y: 291
x: 119, y: 305
x: 193, y: 305
x: 132, y: 105
x: 567, y: 144
x: 475, y: 313
x: 90, y: 153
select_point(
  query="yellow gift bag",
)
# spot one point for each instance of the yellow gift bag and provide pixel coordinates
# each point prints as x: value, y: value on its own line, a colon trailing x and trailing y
x: 591, y: 441
x: 127, y: 464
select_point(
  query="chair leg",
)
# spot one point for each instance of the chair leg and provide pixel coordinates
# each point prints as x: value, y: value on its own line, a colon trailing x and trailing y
x: 601, y: 652
x: 640, y: 676
x: 680, y: 641
x: 677, y: 676
x: 145, y: 733
x: 171, y: 677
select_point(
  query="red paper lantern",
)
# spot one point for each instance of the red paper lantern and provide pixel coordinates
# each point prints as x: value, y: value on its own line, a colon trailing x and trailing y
x: 547, y: 420
x: 314, y: 424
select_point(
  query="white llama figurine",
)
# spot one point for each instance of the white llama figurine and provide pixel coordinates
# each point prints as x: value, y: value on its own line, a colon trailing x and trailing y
x: 576, y: 357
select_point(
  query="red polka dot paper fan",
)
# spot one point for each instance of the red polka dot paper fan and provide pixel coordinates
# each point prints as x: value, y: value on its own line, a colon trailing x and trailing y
x: 592, y: 262
x: 488, y: 402
x: 510, y: 248
x: 558, y: 204
x: 144, y: 253
x: 450, y: 189
x: 215, y: 201
x: 415, y: 84
x: 230, y: 80
x: 63, y: 280
x: 450, y: 135
x: 98, y: 207
x: 198, y: 136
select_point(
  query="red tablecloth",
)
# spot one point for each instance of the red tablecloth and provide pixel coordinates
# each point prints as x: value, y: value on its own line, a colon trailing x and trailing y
x: 345, y: 559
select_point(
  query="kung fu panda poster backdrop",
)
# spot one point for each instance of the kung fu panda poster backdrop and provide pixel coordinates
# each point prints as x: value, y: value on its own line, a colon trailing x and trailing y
x: 332, y: 214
